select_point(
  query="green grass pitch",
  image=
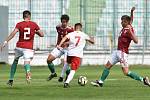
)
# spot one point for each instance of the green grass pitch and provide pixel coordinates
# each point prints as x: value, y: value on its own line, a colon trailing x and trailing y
x: 117, y: 87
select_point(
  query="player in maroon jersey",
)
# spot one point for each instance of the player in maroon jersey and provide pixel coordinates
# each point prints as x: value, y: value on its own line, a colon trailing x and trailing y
x: 121, y: 54
x: 24, y: 47
x: 63, y: 29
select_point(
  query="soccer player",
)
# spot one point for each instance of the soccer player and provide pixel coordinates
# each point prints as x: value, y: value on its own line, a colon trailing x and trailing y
x: 77, y: 41
x: 121, y: 54
x: 24, y: 47
x: 62, y: 30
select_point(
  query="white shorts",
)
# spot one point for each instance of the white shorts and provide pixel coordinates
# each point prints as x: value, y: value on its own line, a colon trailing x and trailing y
x: 26, y: 53
x: 58, y: 53
x: 119, y: 56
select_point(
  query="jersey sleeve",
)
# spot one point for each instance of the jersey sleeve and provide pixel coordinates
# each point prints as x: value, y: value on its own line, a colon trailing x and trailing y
x: 72, y: 30
x: 128, y: 30
x: 17, y: 26
x: 37, y: 27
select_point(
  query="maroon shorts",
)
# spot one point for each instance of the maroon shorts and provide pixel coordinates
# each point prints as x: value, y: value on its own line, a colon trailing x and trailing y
x: 74, y: 61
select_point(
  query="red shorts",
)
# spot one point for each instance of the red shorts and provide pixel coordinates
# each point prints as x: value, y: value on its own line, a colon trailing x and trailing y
x: 74, y: 61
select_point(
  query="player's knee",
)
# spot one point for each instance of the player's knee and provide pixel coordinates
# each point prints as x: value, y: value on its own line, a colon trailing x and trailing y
x: 49, y: 61
x: 108, y: 65
x: 125, y: 72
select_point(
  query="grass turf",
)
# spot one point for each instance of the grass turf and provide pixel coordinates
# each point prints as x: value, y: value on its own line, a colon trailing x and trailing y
x: 117, y: 87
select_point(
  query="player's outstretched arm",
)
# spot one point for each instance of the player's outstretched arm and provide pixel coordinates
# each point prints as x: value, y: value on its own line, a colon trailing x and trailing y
x: 91, y: 40
x: 12, y: 34
x: 132, y: 14
x: 40, y: 33
x: 62, y: 41
x: 133, y: 37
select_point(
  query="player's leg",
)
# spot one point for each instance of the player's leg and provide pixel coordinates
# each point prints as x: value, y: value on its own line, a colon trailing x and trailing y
x: 52, y: 56
x: 135, y: 76
x: 75, y: 63
x: 28, y: 56
x: 13, y: 68
x: 106, y: 70
x: 28, y: 71
x: 51, y: 67
x: 104, y: 75
x: 65, y: 68
x: 131, y: 74
x: 67, y: 72
x: 127, y: 72
x: 18, y: 54
x: 66, y: 65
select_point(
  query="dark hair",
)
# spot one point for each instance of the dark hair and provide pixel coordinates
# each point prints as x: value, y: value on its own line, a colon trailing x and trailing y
x: 65, y: 17
x: 126, y: 17
x: 26, y: 14
x: 78, y: 24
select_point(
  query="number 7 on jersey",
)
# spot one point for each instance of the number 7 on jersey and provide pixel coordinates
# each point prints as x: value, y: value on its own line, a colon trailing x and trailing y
x: 78, y: 40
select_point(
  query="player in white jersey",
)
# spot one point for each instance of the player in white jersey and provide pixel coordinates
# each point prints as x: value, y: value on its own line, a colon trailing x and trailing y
x: 77, y: 41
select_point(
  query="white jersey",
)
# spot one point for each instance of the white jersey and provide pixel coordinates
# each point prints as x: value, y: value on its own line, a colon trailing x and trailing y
x: 77, y: 41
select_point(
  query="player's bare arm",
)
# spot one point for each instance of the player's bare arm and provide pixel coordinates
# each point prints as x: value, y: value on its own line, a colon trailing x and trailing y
x: 133, y: 36
x: 66, y: 44
x: 91, y: 40
x: 132, y: 14
x: 12, y: 34
x: 62, y: 41
x: 40, y: 33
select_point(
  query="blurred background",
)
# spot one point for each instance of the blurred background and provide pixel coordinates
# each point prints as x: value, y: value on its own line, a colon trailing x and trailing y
x: 100, y: 18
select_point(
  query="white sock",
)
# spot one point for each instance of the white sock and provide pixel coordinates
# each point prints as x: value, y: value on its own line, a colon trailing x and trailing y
x: 70, y: 76
x: 100, y: 81
x: 64, y: 69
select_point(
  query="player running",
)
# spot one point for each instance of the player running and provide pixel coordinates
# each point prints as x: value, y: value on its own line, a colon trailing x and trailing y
x: 63, y: 29
x: 121, y: 54
x: 24, y: 47
x: 77, y: 41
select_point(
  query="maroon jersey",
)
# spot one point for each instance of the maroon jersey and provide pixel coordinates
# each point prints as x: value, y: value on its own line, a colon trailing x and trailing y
x: 63, y: 32
x: 26, y: 34
x: 124, y: 40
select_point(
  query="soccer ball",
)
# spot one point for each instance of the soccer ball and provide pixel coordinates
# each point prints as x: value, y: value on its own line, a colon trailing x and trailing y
x: 82, y: 80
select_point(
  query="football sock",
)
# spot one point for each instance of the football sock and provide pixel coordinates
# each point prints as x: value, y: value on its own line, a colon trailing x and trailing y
x: 135, y: 76
x: 70, y: 76
x: 13, y: 69
x: 27, y: 67
x: 51, y: 67
x: 104, y: 74
x: 64, y: 70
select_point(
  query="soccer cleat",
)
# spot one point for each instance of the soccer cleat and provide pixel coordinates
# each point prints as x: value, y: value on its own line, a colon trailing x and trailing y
x: 146, y: 81
x: 60, y: 79
x: 10, y: 82
x: 51, y: 76
x: 97, y: 84
x: 66, y: 85
x: 28, y: 77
